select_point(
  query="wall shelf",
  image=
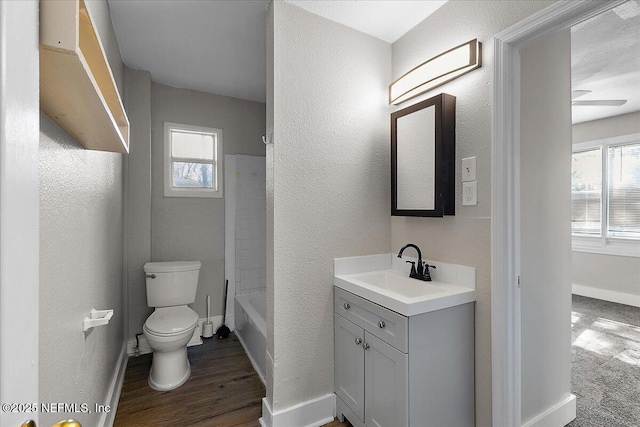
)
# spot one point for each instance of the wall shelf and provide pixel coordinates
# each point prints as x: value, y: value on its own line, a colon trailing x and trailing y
x: 77, y: 88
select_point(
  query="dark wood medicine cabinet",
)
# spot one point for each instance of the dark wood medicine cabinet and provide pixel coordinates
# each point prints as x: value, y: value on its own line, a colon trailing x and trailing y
x: 423, y: 153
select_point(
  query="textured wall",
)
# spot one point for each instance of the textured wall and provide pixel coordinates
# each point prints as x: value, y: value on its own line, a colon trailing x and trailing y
x: 610, y: 272
x: 330, y: 188
x: 193, y: 228
x: 466, y: 238
x: 80, y: 269
x: 545, y: 223
x: 137, y: 101
x: 81, y: 261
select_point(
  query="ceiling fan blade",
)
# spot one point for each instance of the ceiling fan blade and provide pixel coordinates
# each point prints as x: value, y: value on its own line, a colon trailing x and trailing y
x: 600, y: 103
x: 578, y: 93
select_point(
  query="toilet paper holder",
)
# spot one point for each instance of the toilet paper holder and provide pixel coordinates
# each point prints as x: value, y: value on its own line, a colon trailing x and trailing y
x: 96, y: 318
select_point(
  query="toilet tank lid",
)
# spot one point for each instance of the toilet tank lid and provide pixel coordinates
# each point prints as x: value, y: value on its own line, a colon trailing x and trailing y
x: 171, y: 267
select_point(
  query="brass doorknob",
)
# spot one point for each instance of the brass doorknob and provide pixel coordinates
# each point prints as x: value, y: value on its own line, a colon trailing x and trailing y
x: 28, y: 423
x: 67, y: 423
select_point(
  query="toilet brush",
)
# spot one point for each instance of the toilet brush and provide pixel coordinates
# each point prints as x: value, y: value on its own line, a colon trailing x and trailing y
x: 223, y: 331
x: 207, y: 327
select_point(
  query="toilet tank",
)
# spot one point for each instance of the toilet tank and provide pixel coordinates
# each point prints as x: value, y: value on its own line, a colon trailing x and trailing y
x: 171, y: 283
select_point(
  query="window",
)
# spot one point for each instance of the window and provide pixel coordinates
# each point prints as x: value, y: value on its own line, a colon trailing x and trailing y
x: 192, y: 156
x: 605, y: 196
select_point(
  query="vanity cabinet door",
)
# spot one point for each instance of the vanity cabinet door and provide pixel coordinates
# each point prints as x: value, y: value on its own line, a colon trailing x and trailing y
x: 386, y: 384
x: 349, y: 364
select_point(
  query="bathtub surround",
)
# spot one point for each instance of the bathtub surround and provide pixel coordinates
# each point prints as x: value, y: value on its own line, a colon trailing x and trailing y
x: 250, y: 256
x: 245, y: 228
x: 327, y: 194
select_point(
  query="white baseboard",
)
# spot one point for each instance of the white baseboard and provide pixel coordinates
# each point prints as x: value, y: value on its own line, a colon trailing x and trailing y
x: 312, y: 413
x: 195, y: 340
x: 558, y: 415
x: 606, y: 295
x: 113, y: 396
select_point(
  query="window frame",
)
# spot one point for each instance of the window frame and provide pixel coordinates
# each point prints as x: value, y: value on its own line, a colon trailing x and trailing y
x: 603, y: 244
x: 169, y: 190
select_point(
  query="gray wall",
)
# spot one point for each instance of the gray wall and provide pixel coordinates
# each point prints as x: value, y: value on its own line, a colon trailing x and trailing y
x: 327, y: 186
x: 137, y: 101
x: 607, y: 272
x: 81, y: 262
x: 465, y: 238
x: 181, y: 228
x: 545, y: 228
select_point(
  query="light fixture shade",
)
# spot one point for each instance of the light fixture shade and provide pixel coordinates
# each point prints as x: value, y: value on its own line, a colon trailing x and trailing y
x: 437, y: 71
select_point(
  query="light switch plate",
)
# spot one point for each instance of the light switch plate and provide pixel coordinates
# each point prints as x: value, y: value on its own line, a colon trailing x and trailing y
x: 469, y: 169
x: 470, y: 193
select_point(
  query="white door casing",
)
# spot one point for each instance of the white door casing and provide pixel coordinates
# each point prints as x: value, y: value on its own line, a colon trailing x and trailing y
x: 19, y: 210
x: 505, y: 191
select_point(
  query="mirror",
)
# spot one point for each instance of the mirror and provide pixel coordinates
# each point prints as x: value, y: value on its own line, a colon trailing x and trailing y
x: 423, y: 158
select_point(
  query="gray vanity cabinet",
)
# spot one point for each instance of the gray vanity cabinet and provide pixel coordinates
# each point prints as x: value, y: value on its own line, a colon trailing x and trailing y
x: 398, y: 371
x: 349, y: 364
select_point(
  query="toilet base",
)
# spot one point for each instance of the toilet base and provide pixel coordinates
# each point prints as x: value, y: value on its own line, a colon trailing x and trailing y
x: 169, y: 370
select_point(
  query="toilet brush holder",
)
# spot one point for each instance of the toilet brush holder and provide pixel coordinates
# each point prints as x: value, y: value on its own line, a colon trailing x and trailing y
x: 207, y: 329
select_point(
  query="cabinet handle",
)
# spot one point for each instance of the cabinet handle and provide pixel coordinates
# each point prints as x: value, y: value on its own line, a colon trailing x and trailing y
x: 365, y: 346
x: 346, y: 306
x: 381, y: 324
x: 358, y: 341
x: 150, y: 276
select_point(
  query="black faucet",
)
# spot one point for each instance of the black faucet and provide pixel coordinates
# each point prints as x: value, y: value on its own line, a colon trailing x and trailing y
x: 422, y: 271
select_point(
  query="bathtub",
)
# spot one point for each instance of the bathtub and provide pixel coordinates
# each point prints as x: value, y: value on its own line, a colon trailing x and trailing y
x: 251, y: 328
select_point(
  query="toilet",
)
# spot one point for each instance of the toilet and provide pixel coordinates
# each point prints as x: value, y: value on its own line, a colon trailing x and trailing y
x: 170, y: 287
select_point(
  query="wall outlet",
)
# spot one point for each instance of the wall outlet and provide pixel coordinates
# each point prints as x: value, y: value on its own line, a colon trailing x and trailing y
x: 469, y: 169
x: 470, y: 193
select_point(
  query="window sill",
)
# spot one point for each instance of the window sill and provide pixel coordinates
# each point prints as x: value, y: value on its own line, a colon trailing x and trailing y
x: 596, y: 245
x: 190, y: 192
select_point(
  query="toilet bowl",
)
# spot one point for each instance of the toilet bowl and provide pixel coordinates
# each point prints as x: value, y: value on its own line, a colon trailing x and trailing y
x: 168, y: 330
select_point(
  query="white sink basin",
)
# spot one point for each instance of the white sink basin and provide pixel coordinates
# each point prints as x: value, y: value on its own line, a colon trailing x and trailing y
x: 394, y: 282
x: 396, y: 291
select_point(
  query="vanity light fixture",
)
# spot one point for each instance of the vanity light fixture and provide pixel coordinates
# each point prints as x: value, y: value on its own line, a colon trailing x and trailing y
x: 436, y: 71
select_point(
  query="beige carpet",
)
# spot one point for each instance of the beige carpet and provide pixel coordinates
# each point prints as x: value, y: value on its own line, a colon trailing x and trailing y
x: 605, y: 374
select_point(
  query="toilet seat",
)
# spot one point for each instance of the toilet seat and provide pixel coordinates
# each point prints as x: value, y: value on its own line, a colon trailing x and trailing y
x: 168, y: 321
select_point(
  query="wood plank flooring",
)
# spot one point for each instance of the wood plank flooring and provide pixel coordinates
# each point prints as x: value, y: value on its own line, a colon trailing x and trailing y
x: 223, y: 391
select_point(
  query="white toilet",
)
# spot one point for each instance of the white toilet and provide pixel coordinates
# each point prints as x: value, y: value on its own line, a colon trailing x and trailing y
x: 170, y: 287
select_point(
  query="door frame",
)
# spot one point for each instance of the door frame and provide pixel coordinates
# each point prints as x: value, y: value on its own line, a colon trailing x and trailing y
x: 505, y: 195
x: 19, y: 209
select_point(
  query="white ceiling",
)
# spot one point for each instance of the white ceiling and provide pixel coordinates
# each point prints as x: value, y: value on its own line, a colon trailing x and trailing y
x: 211, y: 46
x: 219, y: 46
x: 387, y: 20
x: 605, y: 59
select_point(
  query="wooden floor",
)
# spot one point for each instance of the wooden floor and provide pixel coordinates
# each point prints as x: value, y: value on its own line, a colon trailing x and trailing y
x: 223, y: 391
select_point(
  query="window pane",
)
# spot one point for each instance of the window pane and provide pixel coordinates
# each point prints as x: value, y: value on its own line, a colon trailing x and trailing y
x: 192, y: 145
x: 192, y: 175
x: 624, y: 191
x: 586, y: 192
